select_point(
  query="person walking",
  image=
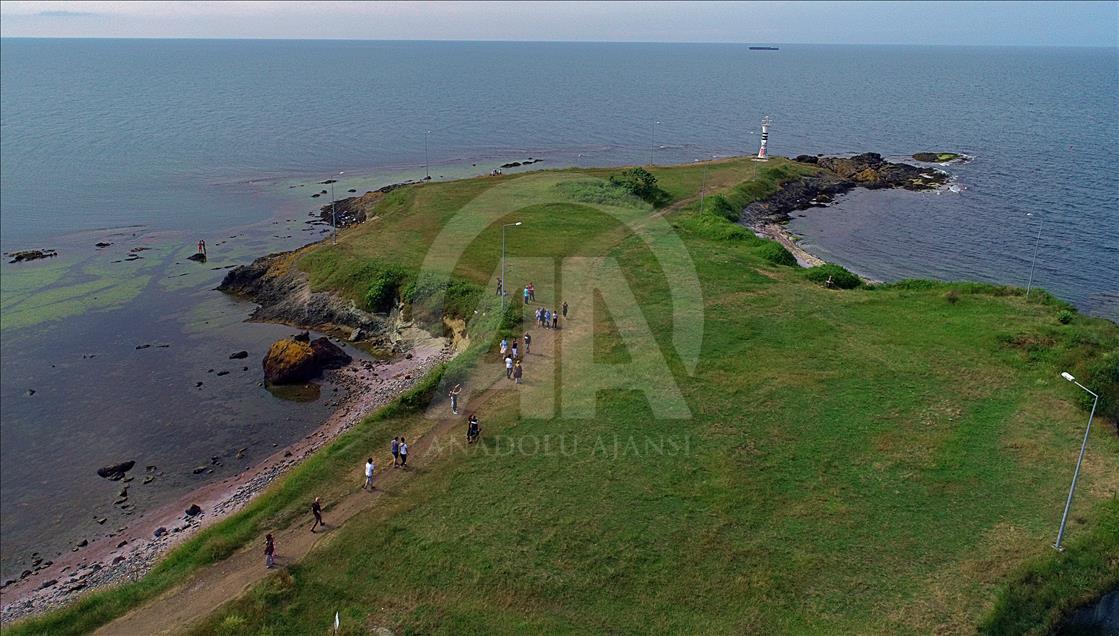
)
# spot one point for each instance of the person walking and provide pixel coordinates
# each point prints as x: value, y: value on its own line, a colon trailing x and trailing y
x: 515, y: 352
x: 508, y: 367
x: 540, y: 315
x: 368, y: 474
x: 517, y: 372
x: 454, y: 398
x: 565, y: 310
x: 531, y: 292
x: 473, y: 429
x: 526, y: 295
x: 528, y: 342
x: 403, y: 453
x: 395, y: 447
x: 504, y: 346
x: 269, y: 551
x: 547, y: 318
x: 498, y: 286
x: 316, y: 509
x: 555, y: 319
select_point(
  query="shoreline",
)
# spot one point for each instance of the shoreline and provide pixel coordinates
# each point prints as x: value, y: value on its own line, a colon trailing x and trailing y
x: 135, y: 550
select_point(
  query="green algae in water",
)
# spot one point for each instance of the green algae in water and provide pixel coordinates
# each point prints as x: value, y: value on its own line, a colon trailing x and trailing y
x: 70, y: 300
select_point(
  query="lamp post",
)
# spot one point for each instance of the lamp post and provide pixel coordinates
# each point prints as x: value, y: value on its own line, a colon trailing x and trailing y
x: 504, y: 283
x: 653, y: 142
x: 1037, y: 243
x: 333, y: 214
x: 1083, y: 446
x: 427, y: 164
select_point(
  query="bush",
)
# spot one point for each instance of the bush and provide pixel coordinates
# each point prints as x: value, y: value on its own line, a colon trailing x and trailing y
x: 719, y: 206
x: 640, y: 183
x: 775, y: 253
x: 836, y: 274
x: 952, y: 297
x: 384, y: 288
x: 459, y: 297
x: 1064, y: 316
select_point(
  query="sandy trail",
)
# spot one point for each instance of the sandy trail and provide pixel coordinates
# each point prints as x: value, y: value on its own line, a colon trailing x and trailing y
x: 176, y: 610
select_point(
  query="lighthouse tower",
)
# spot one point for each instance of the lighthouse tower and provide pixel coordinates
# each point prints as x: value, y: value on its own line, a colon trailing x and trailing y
x: 765, y: 138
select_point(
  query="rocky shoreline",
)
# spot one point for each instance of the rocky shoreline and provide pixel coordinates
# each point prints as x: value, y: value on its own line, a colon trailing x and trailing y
x: 132, y: 552
x: 283, y: 295
x: 769, y: 217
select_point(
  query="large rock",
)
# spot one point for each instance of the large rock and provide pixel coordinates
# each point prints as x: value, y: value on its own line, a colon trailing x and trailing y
x: 115, y: 471
x: 291, y: 361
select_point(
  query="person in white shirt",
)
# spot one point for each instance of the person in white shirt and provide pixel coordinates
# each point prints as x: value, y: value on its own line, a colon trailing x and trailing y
x: 403, y: 453
x: 509, y: 367
x: 368, y: 474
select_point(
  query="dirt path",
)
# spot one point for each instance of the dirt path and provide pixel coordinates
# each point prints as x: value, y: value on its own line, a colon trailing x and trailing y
x: 177, y: 609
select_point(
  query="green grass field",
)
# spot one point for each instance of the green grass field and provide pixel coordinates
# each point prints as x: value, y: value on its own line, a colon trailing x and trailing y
x: 888, y: 459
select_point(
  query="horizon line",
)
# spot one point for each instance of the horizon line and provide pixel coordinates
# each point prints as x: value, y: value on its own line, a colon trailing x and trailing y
x: 455, y: 40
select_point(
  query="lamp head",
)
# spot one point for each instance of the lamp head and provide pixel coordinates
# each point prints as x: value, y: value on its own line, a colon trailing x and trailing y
x: 1068, y: 376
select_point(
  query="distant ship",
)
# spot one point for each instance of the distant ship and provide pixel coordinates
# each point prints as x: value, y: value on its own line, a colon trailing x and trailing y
x: 764, y: 48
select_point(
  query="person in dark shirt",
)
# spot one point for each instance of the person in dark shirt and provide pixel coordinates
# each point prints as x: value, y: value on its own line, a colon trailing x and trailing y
x: 316, y: 509
x: 269, y: 551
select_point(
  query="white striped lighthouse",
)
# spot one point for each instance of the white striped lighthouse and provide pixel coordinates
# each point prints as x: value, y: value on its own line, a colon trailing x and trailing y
x: 765, y: 138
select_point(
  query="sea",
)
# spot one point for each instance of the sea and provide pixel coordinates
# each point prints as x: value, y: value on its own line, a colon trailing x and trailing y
x: 122, y: 352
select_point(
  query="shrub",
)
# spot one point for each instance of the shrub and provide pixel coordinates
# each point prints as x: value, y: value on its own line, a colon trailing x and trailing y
x: 1064, y: 316
x: 837, y: 275
x: 952, y: 297
x: 719, y: 206
x: 776, y: 254
x: 640, y: 183
x: 459, y: 297
x: 384, y: 288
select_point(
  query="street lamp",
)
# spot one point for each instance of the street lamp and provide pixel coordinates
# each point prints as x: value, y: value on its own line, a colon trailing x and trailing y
x: 333, y: 215
x: 427, y: 165
x: 504, y: 284
x: 1083, y: 446
x: 1037, y: 243
x: 703, y: 183
x: 653, y: 142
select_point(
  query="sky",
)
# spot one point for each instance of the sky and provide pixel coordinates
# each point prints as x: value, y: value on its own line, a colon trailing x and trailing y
x: 939, y: 23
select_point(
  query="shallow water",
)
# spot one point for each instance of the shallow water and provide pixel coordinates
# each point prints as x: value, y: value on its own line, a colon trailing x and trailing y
x: 172, y: 141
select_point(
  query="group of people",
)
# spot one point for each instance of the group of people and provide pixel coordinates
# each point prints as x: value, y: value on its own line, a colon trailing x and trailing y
x: 550, y: 317
x: 512, y: 355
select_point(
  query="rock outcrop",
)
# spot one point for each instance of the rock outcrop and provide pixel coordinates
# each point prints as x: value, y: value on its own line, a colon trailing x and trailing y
x: 839, y: 175
x: 284, y: 295
x: 291, y: 361
x: 30, y: 255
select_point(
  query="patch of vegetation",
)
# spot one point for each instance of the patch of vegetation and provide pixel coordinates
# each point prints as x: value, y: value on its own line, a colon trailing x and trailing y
x: 642, y: 184
x: 775, y: 253
x: 832, y: 275
x: 600, y: 192
x: 1047, y: 590
x: 1064, y: 316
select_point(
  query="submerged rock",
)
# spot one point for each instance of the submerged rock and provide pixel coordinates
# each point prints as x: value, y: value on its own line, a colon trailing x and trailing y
x: 115, y: 471
x: 239, y: 355
x: 194, y: 510
x: 31, y: 255
x: 197, y: 257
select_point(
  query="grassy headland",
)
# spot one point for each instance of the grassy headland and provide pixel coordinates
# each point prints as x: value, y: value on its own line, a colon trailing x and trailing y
x: 875, y: 459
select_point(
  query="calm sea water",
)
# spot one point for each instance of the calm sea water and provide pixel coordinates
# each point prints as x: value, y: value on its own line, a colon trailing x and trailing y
x: 159, y: 143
